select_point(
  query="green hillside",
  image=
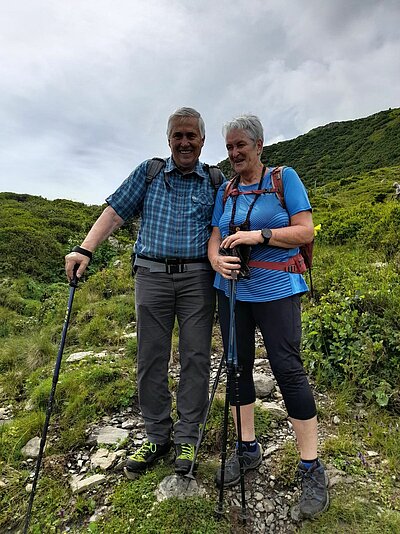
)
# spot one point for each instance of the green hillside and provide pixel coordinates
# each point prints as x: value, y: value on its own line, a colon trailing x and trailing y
x: 339, y: 149
x: 36, y: 233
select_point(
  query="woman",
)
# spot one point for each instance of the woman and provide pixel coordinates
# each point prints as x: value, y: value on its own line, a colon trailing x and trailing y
x: 268, y: 298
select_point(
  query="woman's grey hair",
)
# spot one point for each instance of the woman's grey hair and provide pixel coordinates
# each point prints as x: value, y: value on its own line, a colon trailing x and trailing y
x: 251, y: 124
x: 186, y: 112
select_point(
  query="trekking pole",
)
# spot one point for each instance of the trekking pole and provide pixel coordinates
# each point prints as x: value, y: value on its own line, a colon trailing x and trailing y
x: 73, y: 284
x: 232, y: 372
x: 190, y: 474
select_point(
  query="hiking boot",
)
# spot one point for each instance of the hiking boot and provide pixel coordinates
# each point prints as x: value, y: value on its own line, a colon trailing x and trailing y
x: 184, y: 454
x: 251, y: 460
x: 314, y: 497
x: 146, y: 455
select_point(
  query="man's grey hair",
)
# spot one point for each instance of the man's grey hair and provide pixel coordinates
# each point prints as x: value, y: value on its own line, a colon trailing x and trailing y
x: 187, y: 112
x: 251, y: 124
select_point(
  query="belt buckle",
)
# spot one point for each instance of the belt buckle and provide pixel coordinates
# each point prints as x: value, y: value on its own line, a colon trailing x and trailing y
x: 175, y: 269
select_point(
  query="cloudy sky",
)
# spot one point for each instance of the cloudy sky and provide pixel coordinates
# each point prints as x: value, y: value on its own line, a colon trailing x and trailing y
x: 86, y: 86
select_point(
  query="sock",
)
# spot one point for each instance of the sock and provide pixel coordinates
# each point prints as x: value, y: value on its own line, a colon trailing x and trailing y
x: 308, y: 463
x: 250, y: 446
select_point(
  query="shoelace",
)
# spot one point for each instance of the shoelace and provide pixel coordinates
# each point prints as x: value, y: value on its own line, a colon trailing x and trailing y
x: 310, y: 485
x: 187, y: 452
x: 139, y: 455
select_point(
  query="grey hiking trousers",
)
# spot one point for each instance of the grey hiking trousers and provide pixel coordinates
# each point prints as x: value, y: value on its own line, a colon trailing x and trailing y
x: 160, y: 297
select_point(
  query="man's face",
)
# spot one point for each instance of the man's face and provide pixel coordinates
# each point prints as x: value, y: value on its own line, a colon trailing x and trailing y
x: 185, y: 142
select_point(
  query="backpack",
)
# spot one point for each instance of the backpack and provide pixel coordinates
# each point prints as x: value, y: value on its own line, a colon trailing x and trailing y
x: 155, y: 166
x: 299, y: 263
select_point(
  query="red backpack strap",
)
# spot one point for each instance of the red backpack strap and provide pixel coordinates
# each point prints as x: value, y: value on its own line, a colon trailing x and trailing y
x: 230, y: 187
x: 277, y: 184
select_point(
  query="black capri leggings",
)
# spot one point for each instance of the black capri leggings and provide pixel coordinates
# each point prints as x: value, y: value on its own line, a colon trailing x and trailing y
x: 280, y: 325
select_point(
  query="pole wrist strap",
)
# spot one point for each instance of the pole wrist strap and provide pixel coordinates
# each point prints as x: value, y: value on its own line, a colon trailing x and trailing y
x: 83, y: 251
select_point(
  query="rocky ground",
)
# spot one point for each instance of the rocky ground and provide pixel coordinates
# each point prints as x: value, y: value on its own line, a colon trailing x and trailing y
x: 271, y: 506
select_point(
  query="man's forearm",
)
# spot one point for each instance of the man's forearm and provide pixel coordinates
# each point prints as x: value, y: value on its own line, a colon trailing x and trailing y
x: 106, y: 224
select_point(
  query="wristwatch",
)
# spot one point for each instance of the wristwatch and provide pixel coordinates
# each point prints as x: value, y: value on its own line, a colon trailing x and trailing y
x: 267, y: 234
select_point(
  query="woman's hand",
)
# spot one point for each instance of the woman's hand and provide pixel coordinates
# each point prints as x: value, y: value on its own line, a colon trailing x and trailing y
x: 252, y: 237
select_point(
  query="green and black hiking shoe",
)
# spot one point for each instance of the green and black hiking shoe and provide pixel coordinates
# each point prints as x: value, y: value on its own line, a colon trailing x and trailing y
x: 184, y: 454
x: 145, y: 456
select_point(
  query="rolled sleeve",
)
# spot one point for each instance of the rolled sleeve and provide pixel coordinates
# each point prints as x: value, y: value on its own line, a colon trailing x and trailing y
x: 127, y: 200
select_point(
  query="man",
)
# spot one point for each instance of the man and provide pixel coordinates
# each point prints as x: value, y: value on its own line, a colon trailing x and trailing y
x: 173, y: 279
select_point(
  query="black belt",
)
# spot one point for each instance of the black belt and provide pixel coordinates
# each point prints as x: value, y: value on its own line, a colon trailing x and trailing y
x: 172, y: 265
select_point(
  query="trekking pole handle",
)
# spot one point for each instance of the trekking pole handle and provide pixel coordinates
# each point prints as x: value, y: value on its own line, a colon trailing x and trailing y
x: 75, y: 279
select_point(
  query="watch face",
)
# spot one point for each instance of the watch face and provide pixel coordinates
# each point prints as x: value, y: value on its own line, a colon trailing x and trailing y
x: 267, y: 234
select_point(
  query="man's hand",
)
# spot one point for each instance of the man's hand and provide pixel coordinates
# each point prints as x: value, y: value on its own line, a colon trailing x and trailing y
x: 72, y: 259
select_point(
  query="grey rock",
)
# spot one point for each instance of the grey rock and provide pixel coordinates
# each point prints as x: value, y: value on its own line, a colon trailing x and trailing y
x: 77, y: 356
x: 79, y: 484
x: 31, y: 449
x: 264, y: 385
x: 275, y: 410
x: 178, y: 487
x: 103, y: 459
x: 110, y: 435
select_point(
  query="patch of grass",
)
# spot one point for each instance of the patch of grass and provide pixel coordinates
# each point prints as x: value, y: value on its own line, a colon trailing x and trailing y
x: 133, y: 510
x: 83, y: 394
x: 382, y: 433
x: 51, y: 499
x: 352, y: 511
x: 285, y: 467
x: 16, y: 433
x: 344, y: 454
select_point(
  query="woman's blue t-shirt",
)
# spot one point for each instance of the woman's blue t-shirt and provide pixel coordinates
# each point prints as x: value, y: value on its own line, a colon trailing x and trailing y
x: 264, y: 284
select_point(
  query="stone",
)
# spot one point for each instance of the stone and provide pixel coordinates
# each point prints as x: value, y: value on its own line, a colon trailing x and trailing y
x: 79, y: 484
x: 110, y: 435
x: 178, y: 487
x: 275, y: 410
x: 77, y: 356
x: 336, y: 420
x: 31, y: 449
x: 129, y: 335
x: 264, y: 385
x: 269, y: 506
x: 103, y: 459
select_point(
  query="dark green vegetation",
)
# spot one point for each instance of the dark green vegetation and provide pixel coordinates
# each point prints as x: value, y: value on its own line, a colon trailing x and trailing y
x: 351, y: 343
x: 339, y: 149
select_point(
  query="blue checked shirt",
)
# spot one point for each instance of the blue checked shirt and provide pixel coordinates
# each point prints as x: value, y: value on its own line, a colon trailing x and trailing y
x: 175, y: 210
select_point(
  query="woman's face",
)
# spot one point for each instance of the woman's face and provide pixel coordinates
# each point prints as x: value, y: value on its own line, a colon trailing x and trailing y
x: 243, y: 152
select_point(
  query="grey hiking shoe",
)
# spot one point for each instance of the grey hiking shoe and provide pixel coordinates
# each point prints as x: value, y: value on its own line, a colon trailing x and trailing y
x: 146, y: 455
x: 251, y: 460
x: 184, y: 454
x: 314, y: 497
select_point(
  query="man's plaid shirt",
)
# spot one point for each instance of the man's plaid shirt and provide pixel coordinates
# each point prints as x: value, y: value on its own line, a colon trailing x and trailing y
x: 175, y: 210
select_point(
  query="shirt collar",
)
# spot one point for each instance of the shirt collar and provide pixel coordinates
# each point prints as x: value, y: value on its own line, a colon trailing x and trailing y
x: 170, y: 166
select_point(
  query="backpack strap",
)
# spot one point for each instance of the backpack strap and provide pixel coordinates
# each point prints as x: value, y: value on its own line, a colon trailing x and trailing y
x: 216, y: 176
x: 295, y: 264
x: 154, y: 167
x: 277, y: 184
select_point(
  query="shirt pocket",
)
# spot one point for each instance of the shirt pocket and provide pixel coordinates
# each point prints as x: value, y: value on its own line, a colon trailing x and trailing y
x: 203, y: 205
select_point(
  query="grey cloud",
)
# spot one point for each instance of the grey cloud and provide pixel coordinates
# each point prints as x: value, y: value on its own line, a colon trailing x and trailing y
x: 87, y: 86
